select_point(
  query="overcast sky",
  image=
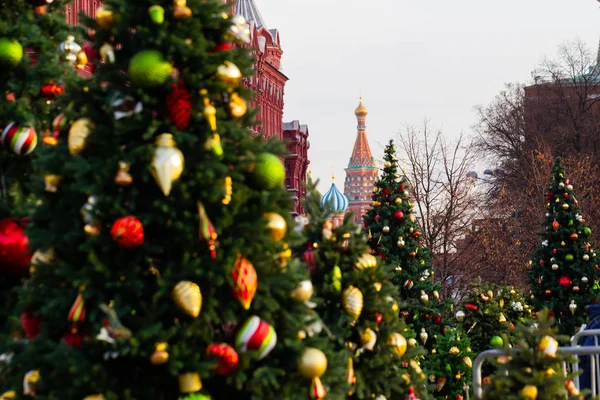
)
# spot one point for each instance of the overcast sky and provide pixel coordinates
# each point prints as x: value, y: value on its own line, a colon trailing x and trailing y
x: 411, y: 59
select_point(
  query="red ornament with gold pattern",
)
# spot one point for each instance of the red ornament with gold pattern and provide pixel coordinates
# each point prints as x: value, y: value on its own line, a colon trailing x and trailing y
x: 245, y: 281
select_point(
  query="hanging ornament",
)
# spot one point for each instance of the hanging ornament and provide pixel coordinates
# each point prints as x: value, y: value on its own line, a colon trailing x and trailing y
x: 424, y: 297
x: 336, y: 278
x: 52, y: 182
x: 31, y: 325
x: 277, y: 226
x: 207, y: 230
x: 555, y: 225
x: 11, y: 52
x: 471, y: 307
x: 229, y: 74
x: 350, y: 375
x: 267, y: 172
x: 70, y: 48
x: 168, y: 162
x: 228, y: 190
x: 583, y: 279
x: 565, y: 281
x: 573, y: 307
x: 237, y: 106
x: 368, y: 338
x: 312, y: 365
x: 398, y: 344
x: 180, y: 10
x: 565, y: 206
x: 128, y: 232
x: 157, y: 14
x: 30, y: 383
x: 113, y: 326
x: 386, y: 229
x: 256, y: 335
x: 460, y: 315
x: 160, y: 355
x: 89, y: 214
x: 284, y: 256
x: 587, y: 231
x: 15, y: 255
x: 303, y: 292
x: 59, y: 123
x: 502, y: 318
x: 149, y: 69
x: 239, y: 30
x: 352, y: 301
x: 77, y: 312
x: 365, y: 261
x: 245, y: 281
x: 586, y: 257
x: 496, y: 342
x: 400, y: 242
x: 189, y: 382
x: 408, y: 285
x: 105, y: 17
x: 398, y: 215
x: 188, y: 297
x: 309, y: 258
x: 554, y: 267
x: 213, y: 144
x: 21, y: 140
x: 78, y: 134
x: 123, y: 178
x: 179, y: 106
x: 548, y: 346
x: 423, y: 336
x: 50, y: 90
x: 227, y: 358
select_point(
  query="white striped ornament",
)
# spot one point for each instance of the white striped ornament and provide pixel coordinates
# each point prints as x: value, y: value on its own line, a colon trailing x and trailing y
x: 21, y: 140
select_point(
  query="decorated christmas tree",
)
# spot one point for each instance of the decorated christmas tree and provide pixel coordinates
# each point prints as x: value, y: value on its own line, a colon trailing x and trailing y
x: 395, y: 235
x: 357, y: 307
x: 534, y: 368
x: 33, y: 74
x: 489, y: 313
x: 449, y: 366
x: 564, y: 269
x: 163, y: 267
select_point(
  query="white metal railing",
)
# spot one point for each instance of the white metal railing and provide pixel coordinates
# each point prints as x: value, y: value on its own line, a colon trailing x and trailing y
x: 592, y: 351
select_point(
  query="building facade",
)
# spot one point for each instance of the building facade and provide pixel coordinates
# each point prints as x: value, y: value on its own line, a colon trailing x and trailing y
x: 268, y: 84
x: 362, y: 171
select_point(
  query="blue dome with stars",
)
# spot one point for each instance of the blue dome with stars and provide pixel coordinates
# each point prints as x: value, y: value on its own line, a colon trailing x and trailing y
x: 336, y: 199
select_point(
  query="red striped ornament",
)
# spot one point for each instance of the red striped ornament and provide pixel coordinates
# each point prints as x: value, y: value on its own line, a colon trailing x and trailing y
x: 21, y: 140
x: 77, y: 312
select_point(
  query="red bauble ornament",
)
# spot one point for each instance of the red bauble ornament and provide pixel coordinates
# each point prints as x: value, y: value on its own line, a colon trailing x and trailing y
x: 398, y: 215
x: 555, y: 225
x: 179, y: 106
x: 565, y: 281
x: 386, y: 192
x: 438, y: 319
x: 128, y: 232
x: 245, y: 281
x: 50, y: 90
x: 226, y: 46
x: 378, y: 317
x: 377, y: 217
x: 74, y: 338
x: 401, y: 187
x: 416, y: 234
x: 14, y: 253
x: 471, y: 307
x: 31, y: 325
x: 227, y: 358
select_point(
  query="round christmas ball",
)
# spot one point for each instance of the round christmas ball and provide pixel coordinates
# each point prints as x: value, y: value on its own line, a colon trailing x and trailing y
x: 277, y: 225
x: 398, y: 215
x: 256, y: 335
x: 21, y: 140
x: 148, y: 69
x: 496, y: 342
x: 128, y: 232
x: 14, y: 251
x: 398, y: 343
x: 554, y: 267
x: 460, y: 315
x: 569, y: 257
x: 312, y: 363
x: 11, y: 52
x: 267, y: 173
x: 587, y: 231
x: 529, y: 392
x: 386, y: 229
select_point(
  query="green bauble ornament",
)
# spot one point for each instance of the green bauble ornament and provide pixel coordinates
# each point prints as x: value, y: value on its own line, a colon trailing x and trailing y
x: 267, y: 173
x: 148, y: 69
x: 587, y: 231
x: 496, y: 342
x: 569, y: 257
x: 11, y: 52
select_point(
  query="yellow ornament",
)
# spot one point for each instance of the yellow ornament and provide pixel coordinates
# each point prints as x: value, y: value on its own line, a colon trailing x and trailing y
x: 277, y: 225
x: 181, y: 10
x: 423, y: 336
x: 210, y: 114
x: 398, y: 343
x: 123, y: 178
x: 312, y: 363
x: 468, y: 362
x: 352, y: 300
x: 107, y: 53
x: 304, y: 291
x: 365, y: 261
x: 190, y: 382
x: 32, y: 378
x: 529, y: 392
x: 81, y: 60
x: 92, y: 397
x: 454, y: 351
x: 284, y: 256
x: 548, y: 346
x: 8, y: 395
x: 229, y: 73
x: 378, y: 286
x: 105, y: 17
x: 43, y: 257
x: 188, y: 297
x: 78, y: 134
x: 237, y: 106
x: 160, y: 355
x: 501, y: 303
x: 52, y: 182
x: 368, y: 339
x: 228, y: 190
x: 376, y: 204
x: 413, y: 343
x: 167, y: 164
x: 502, y: 318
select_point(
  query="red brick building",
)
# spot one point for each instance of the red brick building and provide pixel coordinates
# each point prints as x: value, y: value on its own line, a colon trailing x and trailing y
x: 269, y: 85
x: 361, y: 172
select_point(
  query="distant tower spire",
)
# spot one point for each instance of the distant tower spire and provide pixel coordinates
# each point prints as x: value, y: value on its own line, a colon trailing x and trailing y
x: 333, y: 174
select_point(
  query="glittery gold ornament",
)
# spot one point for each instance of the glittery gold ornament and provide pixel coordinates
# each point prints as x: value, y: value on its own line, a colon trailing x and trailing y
x: 454, y: 351
x: 78, y: 134
x: 237, y: 106
x: 423, y: 336
x: 365, y: 261
x: 368, y: 338
x: 378, y: 286
x: 376, y: 204
x: 10, y: 395
x: 398, y: 343
x: 81, y: 60
x: 105, y: 17
x: 548, y: 346
x: 160, y: 355
x: 468, y: 362
x: 43, y: 257
x: 209, y: 113
x: 181, y: 10
x: 188, y: 297
x: 313, y: 364
x: 277, y: 225
x: 304, y: 291
x: 352, y: 301
x: 529, y: 392
x: 502, y: 318
x: 52, y: 182
x: 167, y: 164
x: 190, y: 382
x: 229, y: 73
x: 123, y: 177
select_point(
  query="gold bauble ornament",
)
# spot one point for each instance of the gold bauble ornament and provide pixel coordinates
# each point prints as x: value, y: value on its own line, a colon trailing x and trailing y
x: 284, y: 256
x: 398, y: 343
x: 105, y: 17
x: 52, y: 182
x: 365, y: 261
x: 209, y: 112
x: 548, y: 346
x: 436, y: 294
x: 368, y: 338
x: 107, y: 53
x: 378, y: 286
x: 277, y: 225
x: 376, y: 204
x: 188, y: 297
x: 468, y: 362
x: 502, y: 318
x: 312, y: 363
x: 78, y: 134
x: 81, y: 60
x: 237, y: 106
x: 386, y: 229
x: 387, y: 164
x: 352, y: 301
x: 529, y: 392
x: 160, y: 355
x: 92, y: 397
x: 304, y: 291
x: 167, y: 164
x: 423, y: 336
x: 398, y: 201
x: 190, y: 382
x: 424, y: 297
x: 412, y: 342
x: 454, y: 351
x: 229, y: 73
x: 10, y: 395
x: 40, y: 257
x: 123, y: 178
x: 181, y: 10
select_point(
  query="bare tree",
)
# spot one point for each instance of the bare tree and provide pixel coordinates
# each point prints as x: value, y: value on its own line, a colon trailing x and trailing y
x: 446, y: 198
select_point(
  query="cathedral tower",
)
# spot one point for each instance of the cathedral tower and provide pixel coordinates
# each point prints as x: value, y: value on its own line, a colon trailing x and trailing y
x: 361, y: 172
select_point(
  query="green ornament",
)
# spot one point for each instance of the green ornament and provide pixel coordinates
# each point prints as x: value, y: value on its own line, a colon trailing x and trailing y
x: 11, y: 52
x: 149, y: 69
x: 570, y: 222
x: 157, y: 14
x: 267, y: 173
x: 569, y: 257
x: 587, y: 231
x: 496, y: 342
x: 336, y: 279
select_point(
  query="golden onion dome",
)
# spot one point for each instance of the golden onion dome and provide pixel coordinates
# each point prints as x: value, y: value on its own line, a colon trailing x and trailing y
x: 361, y: 110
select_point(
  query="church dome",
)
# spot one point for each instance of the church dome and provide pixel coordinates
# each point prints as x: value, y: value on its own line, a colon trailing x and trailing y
x: 336, y: 199
x: 361, y: 110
